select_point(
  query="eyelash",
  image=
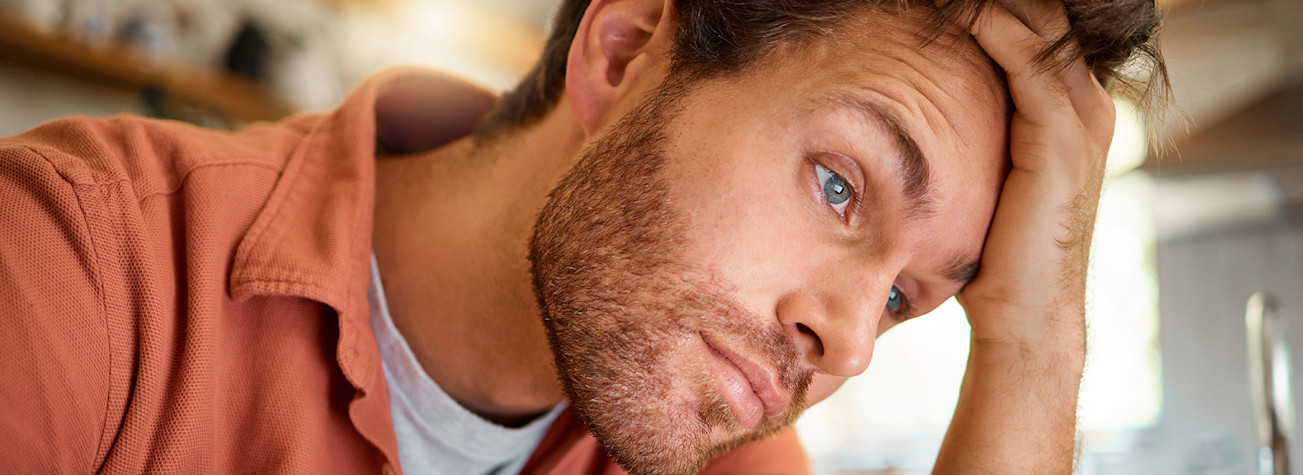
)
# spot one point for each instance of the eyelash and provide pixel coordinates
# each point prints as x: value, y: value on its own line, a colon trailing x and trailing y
x: 903, y: 313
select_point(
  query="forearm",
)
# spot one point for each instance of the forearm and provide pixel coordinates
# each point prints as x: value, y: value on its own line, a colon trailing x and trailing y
x: 1017, y: 408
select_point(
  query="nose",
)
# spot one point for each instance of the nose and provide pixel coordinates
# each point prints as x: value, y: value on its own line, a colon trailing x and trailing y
x: 835, y: 331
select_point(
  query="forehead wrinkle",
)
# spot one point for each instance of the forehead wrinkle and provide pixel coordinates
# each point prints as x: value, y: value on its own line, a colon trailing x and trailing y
x: 940, y: 65
x: 946, y: 117
x: 926, y: 106
x: 912, y: 167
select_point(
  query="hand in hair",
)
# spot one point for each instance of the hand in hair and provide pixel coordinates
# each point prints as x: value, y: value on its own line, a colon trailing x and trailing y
x: 1017, y: 407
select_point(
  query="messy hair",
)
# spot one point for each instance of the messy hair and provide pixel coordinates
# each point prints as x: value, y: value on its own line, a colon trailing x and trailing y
x: 1117, y: 38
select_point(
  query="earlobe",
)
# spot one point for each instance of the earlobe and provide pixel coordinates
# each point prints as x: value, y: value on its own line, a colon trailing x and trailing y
x: 618, y: 42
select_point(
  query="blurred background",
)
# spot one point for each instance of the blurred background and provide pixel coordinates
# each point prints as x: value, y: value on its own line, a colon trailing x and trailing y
x: 1181, y: 243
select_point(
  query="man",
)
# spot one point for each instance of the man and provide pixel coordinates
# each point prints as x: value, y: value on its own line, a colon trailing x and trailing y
x: 688, y: 224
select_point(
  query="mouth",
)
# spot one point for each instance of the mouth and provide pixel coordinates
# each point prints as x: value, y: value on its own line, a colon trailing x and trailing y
x: 750, y: 388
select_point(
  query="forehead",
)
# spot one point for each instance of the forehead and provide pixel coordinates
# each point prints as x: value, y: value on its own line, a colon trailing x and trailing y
x: 939, y: 83
x: 944, y: 91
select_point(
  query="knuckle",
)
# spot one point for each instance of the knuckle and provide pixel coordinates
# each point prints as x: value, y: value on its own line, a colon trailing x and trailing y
x: 1033, y: 49
x: 1058, y: 90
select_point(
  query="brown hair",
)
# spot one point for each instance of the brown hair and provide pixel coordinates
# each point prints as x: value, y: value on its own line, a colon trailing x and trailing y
x: 719, y: 37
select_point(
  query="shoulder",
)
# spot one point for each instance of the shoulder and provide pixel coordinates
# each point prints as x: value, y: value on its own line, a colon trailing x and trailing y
x: 154, y: 156
x: 53, y: 332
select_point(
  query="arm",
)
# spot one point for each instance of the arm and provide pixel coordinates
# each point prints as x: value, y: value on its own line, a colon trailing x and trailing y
x: 1017, y: 405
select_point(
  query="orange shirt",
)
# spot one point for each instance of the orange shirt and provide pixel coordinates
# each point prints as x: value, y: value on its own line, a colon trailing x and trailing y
x: 182, y: 300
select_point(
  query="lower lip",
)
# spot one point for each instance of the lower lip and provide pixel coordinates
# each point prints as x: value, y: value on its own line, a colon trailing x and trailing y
x: 737, y: 391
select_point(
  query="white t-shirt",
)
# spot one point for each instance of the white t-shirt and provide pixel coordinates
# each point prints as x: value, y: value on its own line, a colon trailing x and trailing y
x: 435, y: 434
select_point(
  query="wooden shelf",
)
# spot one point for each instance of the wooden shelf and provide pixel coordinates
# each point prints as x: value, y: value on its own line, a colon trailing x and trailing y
x: 119, y: 66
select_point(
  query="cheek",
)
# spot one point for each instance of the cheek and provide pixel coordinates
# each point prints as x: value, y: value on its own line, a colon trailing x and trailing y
x: 745, y: 229
x: 735, y: 180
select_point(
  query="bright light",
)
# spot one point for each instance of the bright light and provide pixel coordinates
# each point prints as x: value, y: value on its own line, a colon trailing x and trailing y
x: 1129, y: 147
x: 895, y: 414
x: 1122, y: 387
x: 462, y: 38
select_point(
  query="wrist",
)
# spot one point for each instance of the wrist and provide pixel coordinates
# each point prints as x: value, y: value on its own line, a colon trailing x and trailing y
x: 1066, y: 356
x: 1049, y: 328
x: 1051, y: 336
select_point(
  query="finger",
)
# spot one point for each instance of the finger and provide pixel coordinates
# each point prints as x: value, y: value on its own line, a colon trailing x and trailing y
x: 1041, y: 95
x: 1049, y: 19
x: 1046, y: 17
x: 1093, y: 104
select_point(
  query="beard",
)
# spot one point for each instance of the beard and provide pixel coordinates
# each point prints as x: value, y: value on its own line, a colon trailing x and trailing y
x: 625, y: 313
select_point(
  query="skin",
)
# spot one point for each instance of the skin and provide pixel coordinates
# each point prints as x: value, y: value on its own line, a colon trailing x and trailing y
x: 755, y: 229
x: 1027, y: 307
x: 629, y: 313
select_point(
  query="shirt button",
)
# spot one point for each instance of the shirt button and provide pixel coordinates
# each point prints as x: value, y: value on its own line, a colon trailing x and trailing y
x: 387, y: 469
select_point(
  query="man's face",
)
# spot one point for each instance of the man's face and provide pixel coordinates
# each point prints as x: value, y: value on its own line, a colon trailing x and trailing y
x: 729, y: 252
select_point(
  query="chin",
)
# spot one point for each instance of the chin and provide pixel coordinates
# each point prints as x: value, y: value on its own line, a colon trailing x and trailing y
x: 664, y: 413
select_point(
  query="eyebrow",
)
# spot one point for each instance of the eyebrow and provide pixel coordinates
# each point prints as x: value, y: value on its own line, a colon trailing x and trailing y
x: 915, y: 174
x: 911, y: 163
x: 962, y: 269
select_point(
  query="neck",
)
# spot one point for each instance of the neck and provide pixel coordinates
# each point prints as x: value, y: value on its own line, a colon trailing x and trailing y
x: 451, y: 236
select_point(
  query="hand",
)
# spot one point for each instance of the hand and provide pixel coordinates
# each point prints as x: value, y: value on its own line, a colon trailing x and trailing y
x: 1030, y: 291
x: 1017, y: 405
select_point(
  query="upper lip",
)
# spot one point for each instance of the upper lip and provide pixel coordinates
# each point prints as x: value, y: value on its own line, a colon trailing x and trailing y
x: 764, y: 381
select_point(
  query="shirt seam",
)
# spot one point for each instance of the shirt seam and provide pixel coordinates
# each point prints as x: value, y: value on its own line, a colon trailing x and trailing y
x: 97, y: 256
x: 182, y: 176
x: 262, y: 280
x: 185, y: 175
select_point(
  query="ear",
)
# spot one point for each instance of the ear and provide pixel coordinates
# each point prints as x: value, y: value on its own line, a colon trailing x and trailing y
x: 620, y: 48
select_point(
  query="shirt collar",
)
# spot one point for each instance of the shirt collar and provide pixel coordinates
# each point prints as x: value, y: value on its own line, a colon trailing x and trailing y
x: 313, y: 237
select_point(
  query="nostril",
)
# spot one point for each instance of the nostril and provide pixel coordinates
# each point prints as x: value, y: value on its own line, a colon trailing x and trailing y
x: 815, y: 343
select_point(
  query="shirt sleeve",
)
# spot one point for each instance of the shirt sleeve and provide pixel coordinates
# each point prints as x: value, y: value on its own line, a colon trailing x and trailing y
x: 779, y: 454
x: 54, y: 354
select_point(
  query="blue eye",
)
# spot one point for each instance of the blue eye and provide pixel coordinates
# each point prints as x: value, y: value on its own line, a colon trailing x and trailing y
x: 895, y: 300
x: 835, y: 189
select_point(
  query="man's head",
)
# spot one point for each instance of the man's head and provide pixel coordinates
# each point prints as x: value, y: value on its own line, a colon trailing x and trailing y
x: 765, y: 188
